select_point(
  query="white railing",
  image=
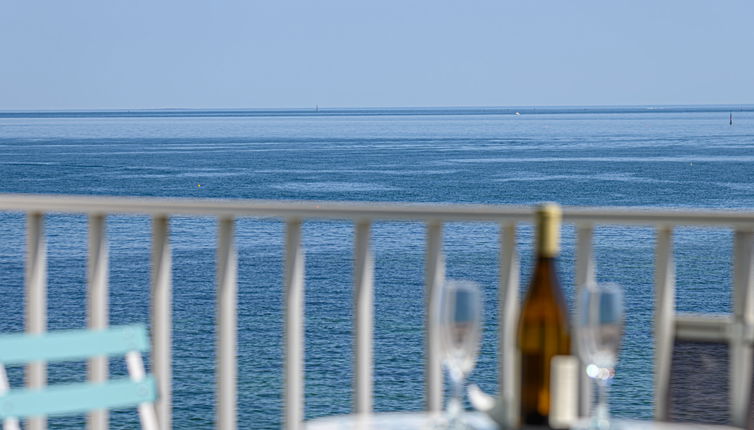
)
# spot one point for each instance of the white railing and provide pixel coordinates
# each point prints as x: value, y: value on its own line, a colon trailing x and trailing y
x: 668, y: 325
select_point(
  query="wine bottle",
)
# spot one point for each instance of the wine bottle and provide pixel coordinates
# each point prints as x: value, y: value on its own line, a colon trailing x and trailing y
x: 543, y: 323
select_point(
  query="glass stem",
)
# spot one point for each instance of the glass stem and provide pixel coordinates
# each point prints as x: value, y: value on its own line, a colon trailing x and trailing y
x: 602, y: 414
x: 455, y: 404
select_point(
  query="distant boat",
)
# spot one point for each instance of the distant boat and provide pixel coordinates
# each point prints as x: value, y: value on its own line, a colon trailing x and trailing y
x: 517, y: 114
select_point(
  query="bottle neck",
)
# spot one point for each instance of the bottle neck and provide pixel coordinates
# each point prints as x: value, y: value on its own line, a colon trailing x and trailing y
x: 545, y: 264
x: 545, y: 275
x: 547, y: 244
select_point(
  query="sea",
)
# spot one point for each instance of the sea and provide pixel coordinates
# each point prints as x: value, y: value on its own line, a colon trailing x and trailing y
x: 650, y: 156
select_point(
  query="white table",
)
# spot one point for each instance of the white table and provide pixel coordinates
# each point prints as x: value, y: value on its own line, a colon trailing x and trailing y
x: 659, y: 425
x: 396, y: 421
x: 479, y: 421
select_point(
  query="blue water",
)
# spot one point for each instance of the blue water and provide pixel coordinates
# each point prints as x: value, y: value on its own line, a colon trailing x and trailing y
x: 674, y: 156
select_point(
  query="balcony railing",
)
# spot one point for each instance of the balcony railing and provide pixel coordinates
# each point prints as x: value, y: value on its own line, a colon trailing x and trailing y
x: 668, y: 324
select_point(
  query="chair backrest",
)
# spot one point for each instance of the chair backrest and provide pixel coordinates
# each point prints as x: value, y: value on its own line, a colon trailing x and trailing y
x: 699, y: 381
x: 705, y: 372
x: 136, y: 390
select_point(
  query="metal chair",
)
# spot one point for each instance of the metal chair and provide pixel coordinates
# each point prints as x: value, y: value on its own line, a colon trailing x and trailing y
x: 136, y: 390
x: 704, y: 363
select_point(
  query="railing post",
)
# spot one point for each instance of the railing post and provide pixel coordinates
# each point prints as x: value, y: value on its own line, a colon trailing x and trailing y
x: 434, y: 275
x: 227, y: 336
x: 508, y: 310
x: 663, y: 318
x: 294, y: 328
x: 363, y: 318
x: 743, y: 316
x: 585, y: 274
x: 36, y: 302
x: 97, y: 307
x: 162, y: 318
x: 585, y: 265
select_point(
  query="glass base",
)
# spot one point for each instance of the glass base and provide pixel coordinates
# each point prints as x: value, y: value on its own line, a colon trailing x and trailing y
x: 595, y: 423
x: 453, y: 423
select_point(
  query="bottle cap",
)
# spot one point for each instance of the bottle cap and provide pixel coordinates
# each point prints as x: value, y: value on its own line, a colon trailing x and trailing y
x: 548, y: 229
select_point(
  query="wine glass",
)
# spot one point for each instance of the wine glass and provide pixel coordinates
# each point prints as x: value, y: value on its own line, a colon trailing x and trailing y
x: 599, y: 326
x: 459, y: 321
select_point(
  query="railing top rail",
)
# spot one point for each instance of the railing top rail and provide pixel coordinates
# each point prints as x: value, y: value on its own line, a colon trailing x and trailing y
x: 364, y: 210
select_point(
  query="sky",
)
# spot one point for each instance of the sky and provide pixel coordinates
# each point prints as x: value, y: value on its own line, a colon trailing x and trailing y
x: 94, y: 54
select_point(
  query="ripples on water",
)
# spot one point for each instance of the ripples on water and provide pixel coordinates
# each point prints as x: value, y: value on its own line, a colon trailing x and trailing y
x: 680, y: 159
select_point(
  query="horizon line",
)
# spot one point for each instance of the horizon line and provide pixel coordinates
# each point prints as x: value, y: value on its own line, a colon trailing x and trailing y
x: 378, y: 108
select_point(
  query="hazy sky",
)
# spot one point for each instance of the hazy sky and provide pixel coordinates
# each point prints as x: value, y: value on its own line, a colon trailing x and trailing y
x: 77, y: 54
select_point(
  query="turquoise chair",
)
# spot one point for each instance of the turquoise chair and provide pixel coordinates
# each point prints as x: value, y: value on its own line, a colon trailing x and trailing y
x: 136, y: 390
